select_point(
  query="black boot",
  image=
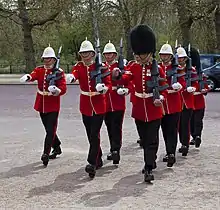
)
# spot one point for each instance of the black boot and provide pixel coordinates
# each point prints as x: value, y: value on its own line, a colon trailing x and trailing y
x: 45, y: 159
x: 154, y: 166
x: 193, y: 141
x: 109, y: 156
x: 148, y: 176
x: 56, y: 151
x: 165, y: 158
x: 184, y: 150
x: 171, y: 160
x: 197, y: 141
x: 115, y: 157
x: 91, y: 170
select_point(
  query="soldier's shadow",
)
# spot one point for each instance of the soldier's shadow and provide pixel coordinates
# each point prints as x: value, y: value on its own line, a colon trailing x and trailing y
x: 129, y: 186
x: 23, y: 171
x: 70, y: 182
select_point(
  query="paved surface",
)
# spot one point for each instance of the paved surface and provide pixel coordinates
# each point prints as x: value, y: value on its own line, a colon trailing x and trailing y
x: 194, y: 182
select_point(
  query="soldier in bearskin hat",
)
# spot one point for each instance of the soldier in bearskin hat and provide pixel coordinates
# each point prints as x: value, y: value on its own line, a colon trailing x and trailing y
x: 196, y: 123
x: 147, y: 109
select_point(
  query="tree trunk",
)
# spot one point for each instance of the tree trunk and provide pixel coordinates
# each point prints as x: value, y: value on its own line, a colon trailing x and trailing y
x: 217, y: 27
x: 94, y: 20
x: 129, y: 52
x: 28, y: 40
x: 185, y: 20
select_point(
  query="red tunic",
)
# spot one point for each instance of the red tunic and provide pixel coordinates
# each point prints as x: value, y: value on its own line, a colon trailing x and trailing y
x: 47, y: 103
x: 114, y: 101
x: 91, y: 101
x: 143, y: 107
x: 188, y: 98
x: 173, y: 102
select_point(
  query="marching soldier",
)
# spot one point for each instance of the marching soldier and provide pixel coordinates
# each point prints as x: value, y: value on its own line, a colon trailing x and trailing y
x: 172, y: 103
x: 188, y: 103
x: 132, y: 96
x: 92, y: 103
x: 196, y: 124
x: 147, y: 108
x: 48, y: 101
x: 115, y: 101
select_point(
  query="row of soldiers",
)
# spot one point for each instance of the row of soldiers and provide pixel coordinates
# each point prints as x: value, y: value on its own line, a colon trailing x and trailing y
x: 157, y: 100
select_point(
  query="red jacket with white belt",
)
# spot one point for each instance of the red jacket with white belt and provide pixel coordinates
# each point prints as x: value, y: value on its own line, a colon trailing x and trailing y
x: 199, y: 98
x: 114, y: 101
x: 173, y: 102
x: 143, y: 107
x: 45, y: 102
x: 188, y: 98
x: 91, y: 101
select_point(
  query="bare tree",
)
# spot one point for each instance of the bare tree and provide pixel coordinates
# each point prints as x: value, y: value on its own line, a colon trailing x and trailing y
x: 27, y: 16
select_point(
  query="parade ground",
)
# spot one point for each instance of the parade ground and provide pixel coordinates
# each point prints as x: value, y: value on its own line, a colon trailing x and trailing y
x: 193, y: 182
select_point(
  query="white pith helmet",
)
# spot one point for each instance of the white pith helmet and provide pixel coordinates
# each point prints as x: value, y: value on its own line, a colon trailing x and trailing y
x: 181, y: 52
x: 49, y: 53
x: 86, y: 46
x: 109, y: 48
x: 166, y: 49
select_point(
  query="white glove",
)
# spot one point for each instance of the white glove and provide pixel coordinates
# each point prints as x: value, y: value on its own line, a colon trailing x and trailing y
x: 54, y: 90
x: 176, y: 86
x: 122, y: 91
x: 70, y: 78
x: 161, y: 97
x: 191, y: 89
x: 100, y: 87
x: 25, y: 78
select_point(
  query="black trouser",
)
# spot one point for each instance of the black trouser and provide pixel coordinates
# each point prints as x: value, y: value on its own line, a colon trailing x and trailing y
x: 169, y: 125
x: 149, y: 132
x: 114, y: 121
x: 184, y: 126
x: 196, y: 123
x: 49, y: 121
x: 93, y: 125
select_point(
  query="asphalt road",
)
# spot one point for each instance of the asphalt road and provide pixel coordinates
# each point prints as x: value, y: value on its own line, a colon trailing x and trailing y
x: 193, y: 183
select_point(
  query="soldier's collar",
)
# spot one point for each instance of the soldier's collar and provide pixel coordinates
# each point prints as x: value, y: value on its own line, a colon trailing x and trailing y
x: 89, y: 63
x: 111, y: 63
x: 48, y: 68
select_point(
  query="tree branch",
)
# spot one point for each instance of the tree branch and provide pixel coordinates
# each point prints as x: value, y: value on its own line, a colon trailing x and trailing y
x: 43, y: 21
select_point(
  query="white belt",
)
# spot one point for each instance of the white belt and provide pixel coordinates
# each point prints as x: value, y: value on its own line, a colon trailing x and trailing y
x: 114, y: 88
x: 44, y: 93
x: 89, y: 93
x: 172, y: 91
x: 197, y: 93
x: 143, y: 95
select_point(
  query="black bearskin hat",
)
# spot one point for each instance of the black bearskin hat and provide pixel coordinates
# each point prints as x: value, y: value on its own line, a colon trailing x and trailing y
x: 142, y: 40
x: 194, y: 55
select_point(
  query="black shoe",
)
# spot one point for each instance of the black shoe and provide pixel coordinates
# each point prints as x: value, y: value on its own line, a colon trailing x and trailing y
x: 91, y: 170
x: 109, y: 156
x: 55, y: 152
x: 197, y: 141
x: 184, y: 150
x: 99, y: 165
x: 171, y: 160
x: 148, y: 176
x: 115, y: 157
x: 45, y: 159
x: 165, y: 158
x: 192, y: 142
x: 154, y: 166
